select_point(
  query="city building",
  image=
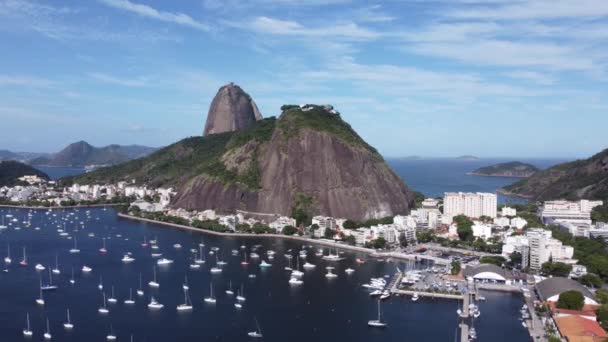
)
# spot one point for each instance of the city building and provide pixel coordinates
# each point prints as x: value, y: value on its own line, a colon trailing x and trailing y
x: 281, y: 222
x: 482, y: 231
x: 550, y: 289
x: 518, y: 223
x: 566, y: 211
x: 508, y: 211
x: 544, y: 247
x: 473, y: 205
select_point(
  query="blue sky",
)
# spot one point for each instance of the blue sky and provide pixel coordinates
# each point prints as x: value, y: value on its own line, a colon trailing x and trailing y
x: 513, y: 78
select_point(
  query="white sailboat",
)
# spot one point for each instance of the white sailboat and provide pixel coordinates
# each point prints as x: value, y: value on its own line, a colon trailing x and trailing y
x: 127, y: 258
x: 23, y: 261
x: 130, y: 301
x: 47, y: 333
x: 153, y: 282
x: 216, y: 269
x: 3, y: 226
x: 154, y: 304
x: 72, y: 280
x: 229, y: 291
x: 86, y: 269
x: 140, y: 290
x: 187, y: 306
x: 49, y: 286
x: 297, y: 272
x: 103, y: 249
x: 104, y: 308
x: 257, y: 333
x: 185, y: 286
x: 7, y: 258
x: 40, y: 299
x: 75, y: 249
x: 100, y: 285
x: 56, y: 269
x: 68, y: 325
x: 199, y: 260
x: 210, y: 299
x: 27, y: 332
x: 111, y: 336
x: 377, y: 323
x: 112, y: 299
x: 241, y: 295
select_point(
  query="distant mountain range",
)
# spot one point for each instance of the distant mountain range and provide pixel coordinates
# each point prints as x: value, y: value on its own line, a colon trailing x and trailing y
x: 81, y: 154
x: 586, y: 178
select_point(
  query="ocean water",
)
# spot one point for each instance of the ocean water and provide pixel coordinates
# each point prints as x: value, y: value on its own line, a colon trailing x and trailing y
x: 318, y: 310
x: 433, y: 177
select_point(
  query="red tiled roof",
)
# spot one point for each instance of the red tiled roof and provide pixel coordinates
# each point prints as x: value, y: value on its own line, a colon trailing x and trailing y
x: 575, y: 326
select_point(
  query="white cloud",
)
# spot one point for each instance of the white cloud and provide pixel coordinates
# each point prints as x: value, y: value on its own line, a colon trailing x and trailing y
x: 152, y: 13
x: 274, y: 26
x: 25, y: 81
x: 126, y: 82
x: 537, y: 9
x: 532, y: 76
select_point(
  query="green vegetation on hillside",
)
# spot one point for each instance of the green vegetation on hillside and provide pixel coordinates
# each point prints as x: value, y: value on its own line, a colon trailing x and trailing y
x: 512, y: 169
x: 319, y: 119
x: 10, y: 170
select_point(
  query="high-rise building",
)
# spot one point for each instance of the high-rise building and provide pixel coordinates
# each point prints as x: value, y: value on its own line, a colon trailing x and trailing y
x: 470, y: 204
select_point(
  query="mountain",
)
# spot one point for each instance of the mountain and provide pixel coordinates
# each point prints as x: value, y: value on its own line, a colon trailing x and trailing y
x: 80, y: 154
x: 586, y: 178
x: 467, y: 157
x: 11, y: 170
x: 510, y: 169
x: 232, y: 109
x: 307, y: 160
x: 8, y: 155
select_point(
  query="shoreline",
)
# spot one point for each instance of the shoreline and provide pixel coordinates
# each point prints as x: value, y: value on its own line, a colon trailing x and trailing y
x: 508, y: 193
x: 58, y: 207
x: 367, y: 251
x: 500, y: 176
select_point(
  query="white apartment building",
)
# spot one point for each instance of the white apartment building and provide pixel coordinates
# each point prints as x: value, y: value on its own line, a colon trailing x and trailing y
x: 566, y: 211
x: 472, y: 205
x: 281, y: 223
x: 518, y: 222
x: 544, y: 247
x: 508, y: 211
x: 502, y: 221
x: 482, y: 231
x: 324, y: 222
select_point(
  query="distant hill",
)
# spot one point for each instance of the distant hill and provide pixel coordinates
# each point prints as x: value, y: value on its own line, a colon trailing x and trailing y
x: 509, y: 169
x: 80, y: 154
x: 467, y: 157
x: 8, y: 155
x: 11, y: 170
x: 586, y: 178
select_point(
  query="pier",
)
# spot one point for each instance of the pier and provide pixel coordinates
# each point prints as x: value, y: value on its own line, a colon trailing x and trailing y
x: 464, y: 316
x: 393, y: 287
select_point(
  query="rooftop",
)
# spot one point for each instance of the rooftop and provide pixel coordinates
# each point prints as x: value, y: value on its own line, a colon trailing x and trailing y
x: 556, y: 285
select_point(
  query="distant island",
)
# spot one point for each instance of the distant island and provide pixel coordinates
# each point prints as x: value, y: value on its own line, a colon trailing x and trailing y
x: 467, y: 157
x: 513, y: 169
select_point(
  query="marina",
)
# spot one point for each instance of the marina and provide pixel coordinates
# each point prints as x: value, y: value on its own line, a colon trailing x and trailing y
x: 320, y: 307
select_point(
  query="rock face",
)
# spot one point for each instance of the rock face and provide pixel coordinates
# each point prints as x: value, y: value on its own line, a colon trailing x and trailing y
x: 232, y: 109
x: 579, y: 179
x: 511, y: 169
x: 306, y: 155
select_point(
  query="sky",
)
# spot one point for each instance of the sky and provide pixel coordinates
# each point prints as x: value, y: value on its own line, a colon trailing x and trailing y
x: 492, y: 78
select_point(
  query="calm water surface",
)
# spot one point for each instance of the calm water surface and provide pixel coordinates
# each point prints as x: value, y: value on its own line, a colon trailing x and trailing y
x: 318, y: 310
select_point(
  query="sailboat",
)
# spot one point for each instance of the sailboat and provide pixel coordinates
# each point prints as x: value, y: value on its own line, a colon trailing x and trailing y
x: 241, y: 295
x: 3, y: 226
x: 216, y: 269
x: 154, y: 283
x: 72, y: 280
x: 257, y: 333
x: 244, y: 262
x: 199, y: 260
x: 111, y: 336
x: 75, y: 249
x: 104, y: 308
x: 145, y: 243
x: 210, y: 299
x: 130, y: 301
x: 68, y: 325
x: 40, y: 300
x: 377, y: 323
x: 297, y: 272
x: 49, y: 286
x: 56, y: 269
x: 103, y: 249
x: 47, y: 334
x: 140, y: 291
x: 185, y: 286
x: 187, y: 306
x: 112, y: 299
x: 100, y: 285
x: 229, y: 291
x: 7, y: 258
x: 23, y: 261
x: 27, y: 332
x: 154, y: 304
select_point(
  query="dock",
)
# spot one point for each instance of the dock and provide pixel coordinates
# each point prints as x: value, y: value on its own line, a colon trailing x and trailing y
x: 393, y: 287
x: 464, y: 316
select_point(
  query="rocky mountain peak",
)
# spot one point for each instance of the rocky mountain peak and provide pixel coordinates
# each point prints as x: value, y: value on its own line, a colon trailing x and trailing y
x: 232, y: 109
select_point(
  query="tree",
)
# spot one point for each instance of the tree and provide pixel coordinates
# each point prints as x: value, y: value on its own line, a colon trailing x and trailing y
x: 403, y: 241
x: 350, y: 240
x: 455, y: 267
x: 350, y: 224
x: 492, y: 259
x: 556, y: 269
x: 464, y: 230
x: 516, y: 259
x: 289, y: 230
x: 329, y: 233
x: 379, y: 243
x: 571, y: 300
x: 591, y: 280
x: 418, y: 198
x: 423, y: 237
x: 602, y: 316
x: 602, y: 296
